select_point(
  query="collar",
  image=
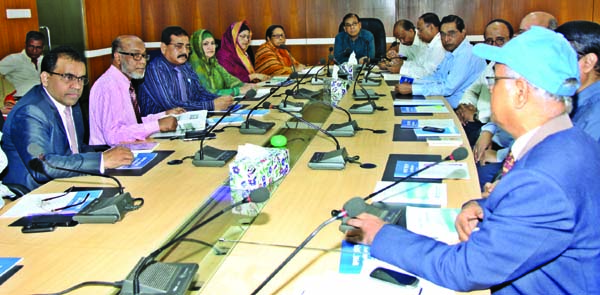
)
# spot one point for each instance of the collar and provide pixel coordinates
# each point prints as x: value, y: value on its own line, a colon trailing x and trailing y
x: 436, y: 39
x: 118, y: 75
x: 530, y: 139
x: 462, y: 47
x: 590, y: 94
x: 59, y: 106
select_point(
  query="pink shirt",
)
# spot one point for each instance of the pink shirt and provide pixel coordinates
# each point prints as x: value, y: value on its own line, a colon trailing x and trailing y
x: 112, y: 118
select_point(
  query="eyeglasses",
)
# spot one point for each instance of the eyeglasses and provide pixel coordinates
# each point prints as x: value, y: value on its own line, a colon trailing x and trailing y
x: 278, y: 36
x: 35, y: 47
x: 180, y: 46
x: 450, y: 34
x: 70, y: 78
x: 491, y: 80
x: 136, y: 56
x: 499, y: 41
x: 349, y: 25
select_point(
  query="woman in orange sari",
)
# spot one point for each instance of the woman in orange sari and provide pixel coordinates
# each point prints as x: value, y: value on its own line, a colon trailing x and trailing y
x: 272, y: 58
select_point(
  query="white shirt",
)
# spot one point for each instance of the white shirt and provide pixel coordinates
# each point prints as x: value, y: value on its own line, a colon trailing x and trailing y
x: 417, y: 48
x: 21, y: 72
x: 478, y: 94
x: 426, y: 63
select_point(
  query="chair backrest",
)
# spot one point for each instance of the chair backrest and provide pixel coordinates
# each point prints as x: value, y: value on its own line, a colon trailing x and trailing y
x: 375, y: 26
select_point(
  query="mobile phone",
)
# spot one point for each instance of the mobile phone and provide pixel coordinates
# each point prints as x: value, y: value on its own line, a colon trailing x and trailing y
x: 433, y: 129
x: 394, y: 277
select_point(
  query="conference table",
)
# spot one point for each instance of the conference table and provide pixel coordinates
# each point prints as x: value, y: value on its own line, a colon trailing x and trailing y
x: 179, y: 196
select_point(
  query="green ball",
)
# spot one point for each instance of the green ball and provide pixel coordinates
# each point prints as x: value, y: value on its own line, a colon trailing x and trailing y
x: 278, y: 141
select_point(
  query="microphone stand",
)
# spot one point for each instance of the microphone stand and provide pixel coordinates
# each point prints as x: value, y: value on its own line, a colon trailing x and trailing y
x: 329, y: 59
x: 368, y: 107
x: 315, y: 79
x: 258, y: 195
x: 253, y: 126
x: 208, y: 156
x: 334, y: 160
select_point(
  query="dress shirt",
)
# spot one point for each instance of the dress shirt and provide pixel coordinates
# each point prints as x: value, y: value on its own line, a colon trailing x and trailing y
x: 478, y: 94
x: 586, y: 114
x: 160, y: 90
x: 427, y: 61
x: 453, y: 76
x: 21, y: 72
x: 413, y: 51
x: 61, y: 111
x: 539, y: 232
x: 364, y: 45
x: 112, y: 117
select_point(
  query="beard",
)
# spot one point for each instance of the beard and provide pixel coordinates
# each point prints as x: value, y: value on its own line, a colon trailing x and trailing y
x: 131, y: 74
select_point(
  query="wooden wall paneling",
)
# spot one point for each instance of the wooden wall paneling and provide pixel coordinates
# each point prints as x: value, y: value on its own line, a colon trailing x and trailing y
x: 13, y: 31
x: 596, y: 14
x: 563, y: 10
x: 475, y: 13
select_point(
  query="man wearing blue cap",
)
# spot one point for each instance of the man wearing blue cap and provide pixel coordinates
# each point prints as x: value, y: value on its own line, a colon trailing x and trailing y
x: 537, y: 231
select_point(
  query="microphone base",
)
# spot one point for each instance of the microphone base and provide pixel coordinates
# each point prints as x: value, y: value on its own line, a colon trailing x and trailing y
x: 213, y: 157
x: 304, y: 93
x: 106, y: 209
x: 161, y: 278
x: 255, y: 127
x: 334, y: 160
x: 347, y: 129
x: 291, y: 106
x: 365, y: 94
x: 317, y: 81
x: 363, y: 108
x: 369, y: 82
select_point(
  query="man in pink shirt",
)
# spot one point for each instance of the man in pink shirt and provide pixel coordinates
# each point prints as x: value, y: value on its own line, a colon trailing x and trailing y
x: 114, y: 110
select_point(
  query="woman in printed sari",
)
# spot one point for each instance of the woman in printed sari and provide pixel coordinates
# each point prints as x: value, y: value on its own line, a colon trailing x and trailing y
x: 272, y: 58
x: 211, y: 74
x: 232, y: 55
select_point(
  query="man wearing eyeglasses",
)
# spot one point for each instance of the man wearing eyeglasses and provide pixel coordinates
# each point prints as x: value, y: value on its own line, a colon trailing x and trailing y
x: 115, y: 115
x: 171, y: 82
x: 459, y: 68
x: 474, y: 108
x: 353, y: 39
x: 47, y: 124
x: 22, y: 69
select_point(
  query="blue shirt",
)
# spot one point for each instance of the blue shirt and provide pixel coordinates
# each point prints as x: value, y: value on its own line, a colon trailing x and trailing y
x: 586, y: 115
x: 457, y: 71
x: 364, y: 45
x: 160, y: 91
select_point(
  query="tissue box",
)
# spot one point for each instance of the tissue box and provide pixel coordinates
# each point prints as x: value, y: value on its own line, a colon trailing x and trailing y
x: 248, y: 173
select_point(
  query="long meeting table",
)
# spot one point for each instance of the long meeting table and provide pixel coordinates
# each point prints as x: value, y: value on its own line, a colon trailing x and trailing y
x: 178, y: 196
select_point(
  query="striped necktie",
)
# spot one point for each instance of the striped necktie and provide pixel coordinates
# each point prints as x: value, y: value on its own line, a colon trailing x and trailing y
x: 134, y: 102
x: 508, y: 163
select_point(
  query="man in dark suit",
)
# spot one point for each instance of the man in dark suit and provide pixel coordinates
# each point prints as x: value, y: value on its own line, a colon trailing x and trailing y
x: 48, y: 123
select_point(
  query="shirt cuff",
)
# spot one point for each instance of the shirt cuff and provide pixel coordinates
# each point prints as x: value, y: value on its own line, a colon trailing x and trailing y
x: 101, y: 163
x: 417, y: 89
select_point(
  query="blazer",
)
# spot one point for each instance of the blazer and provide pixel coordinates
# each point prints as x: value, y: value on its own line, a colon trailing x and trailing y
x: 34, y: 129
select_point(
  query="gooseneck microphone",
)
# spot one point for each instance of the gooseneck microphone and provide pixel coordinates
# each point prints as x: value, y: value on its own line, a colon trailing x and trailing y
x: 380, y: 209
x: 315, y: 79
x: 334, y: 160
x: 303, y: 93
x: 208, y: 156
x: 253, y: 126
x: 100, y: 210
x: 329, y: 60
x: 259, y: 195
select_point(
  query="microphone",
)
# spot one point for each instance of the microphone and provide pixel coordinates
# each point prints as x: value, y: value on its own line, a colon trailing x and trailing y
x: 366, y: 80
x: 315, y: 79
x: 368, y: 107
x: 208, y: 156
x: 253, y: 126
x: 302, y: 93
x: 334, y: 160
x: 258, y: 195
x: 100, y: 210
x: 330, y: 58
x: 383, y: 210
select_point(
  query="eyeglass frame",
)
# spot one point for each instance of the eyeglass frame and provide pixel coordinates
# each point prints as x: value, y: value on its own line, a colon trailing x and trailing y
x: 70, y: 78
x: 491, y: 41
x: 491, y: 80
x: 350, y: 25
x: 136, y: 56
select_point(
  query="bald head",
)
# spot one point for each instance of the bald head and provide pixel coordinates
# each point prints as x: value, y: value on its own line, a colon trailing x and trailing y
x: 538, y: 18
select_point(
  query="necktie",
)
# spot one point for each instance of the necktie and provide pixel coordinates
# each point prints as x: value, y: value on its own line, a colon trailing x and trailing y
x: 71, y: 131
x: 134, y: 102
x: 508, y: 163
x: 182, y: 84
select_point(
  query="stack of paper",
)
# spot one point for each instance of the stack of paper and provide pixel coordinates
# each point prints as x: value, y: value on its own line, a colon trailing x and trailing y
x: 445, y: 170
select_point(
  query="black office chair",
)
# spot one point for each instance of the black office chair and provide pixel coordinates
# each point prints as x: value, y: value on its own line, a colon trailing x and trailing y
x: 375, y: 26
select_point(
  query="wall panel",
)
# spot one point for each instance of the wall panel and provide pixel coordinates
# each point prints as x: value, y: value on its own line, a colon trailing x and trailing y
x: 564, y: 11
x: 13, y: 31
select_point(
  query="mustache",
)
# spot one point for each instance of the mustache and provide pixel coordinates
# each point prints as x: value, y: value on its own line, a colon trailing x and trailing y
x: 182, y: 55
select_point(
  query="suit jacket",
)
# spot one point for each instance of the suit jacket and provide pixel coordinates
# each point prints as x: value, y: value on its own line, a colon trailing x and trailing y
x: 539, y: 234
x: 35, y: 127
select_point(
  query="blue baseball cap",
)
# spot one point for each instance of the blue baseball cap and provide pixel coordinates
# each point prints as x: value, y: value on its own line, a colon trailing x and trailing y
x: 543, y: 57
